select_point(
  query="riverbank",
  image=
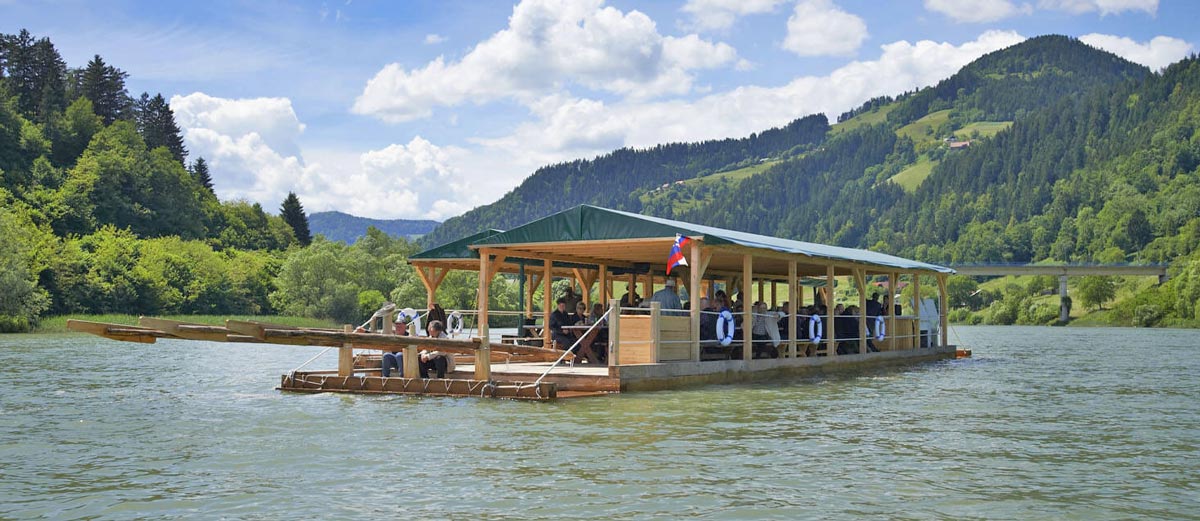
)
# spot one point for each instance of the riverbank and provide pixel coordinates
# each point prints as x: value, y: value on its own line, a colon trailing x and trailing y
x: 59, y: 324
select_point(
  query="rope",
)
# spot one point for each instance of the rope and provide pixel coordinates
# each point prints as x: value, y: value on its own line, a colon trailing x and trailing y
x: 573, y: 346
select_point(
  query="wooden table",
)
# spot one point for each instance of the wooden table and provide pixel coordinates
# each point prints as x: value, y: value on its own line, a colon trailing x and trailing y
x: 585, y: 345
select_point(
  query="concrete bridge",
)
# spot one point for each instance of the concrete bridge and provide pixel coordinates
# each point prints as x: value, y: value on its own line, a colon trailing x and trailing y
x: 1062, y: 272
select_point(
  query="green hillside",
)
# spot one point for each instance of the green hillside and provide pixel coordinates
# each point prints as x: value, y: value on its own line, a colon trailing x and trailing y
x: 1077, y: 155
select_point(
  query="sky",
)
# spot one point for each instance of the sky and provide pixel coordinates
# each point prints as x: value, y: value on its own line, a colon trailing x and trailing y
x: 426, y: 109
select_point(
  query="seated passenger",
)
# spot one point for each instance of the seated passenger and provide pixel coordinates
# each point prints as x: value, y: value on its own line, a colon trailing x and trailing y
x: 395, y: 359
x: 436, y: 360
x: 762, y: 345
x: 708, y: 320
x: 559, y: 318
x: 580, y: 318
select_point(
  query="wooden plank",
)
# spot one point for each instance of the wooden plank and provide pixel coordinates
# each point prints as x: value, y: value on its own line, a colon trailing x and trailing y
x: 655, y: 330
x: 186, y: 330
x: 614, y: 332
x: 943, y: 310
x: 346, y: 355
x: 916, y: 279
x: 316, y: 382
x: 242, y: 327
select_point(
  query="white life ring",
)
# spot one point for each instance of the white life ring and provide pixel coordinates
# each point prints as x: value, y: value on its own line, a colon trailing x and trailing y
x: 725, y: 327
x: 410, y: 316
x: 880, y: 328
x: 454, y: 323
x: 815, y: 330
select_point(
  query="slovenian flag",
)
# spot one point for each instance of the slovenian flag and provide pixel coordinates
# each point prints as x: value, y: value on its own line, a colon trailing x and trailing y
x: 677, y: 258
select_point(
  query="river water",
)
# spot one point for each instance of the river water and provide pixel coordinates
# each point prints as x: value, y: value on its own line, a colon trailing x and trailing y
x: 1041, y: 423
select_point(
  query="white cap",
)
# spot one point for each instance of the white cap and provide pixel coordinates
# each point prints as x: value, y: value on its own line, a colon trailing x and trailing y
x: 670, y: 283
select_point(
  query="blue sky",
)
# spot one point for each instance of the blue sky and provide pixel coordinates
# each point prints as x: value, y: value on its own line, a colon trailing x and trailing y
x: 416, y: 109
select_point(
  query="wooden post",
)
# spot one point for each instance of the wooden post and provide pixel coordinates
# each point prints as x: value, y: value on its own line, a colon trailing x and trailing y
x: 547, y: 302
x: 483, y: 357
x: 774, y: 299
x: 696, y: 271
x: 529, y: 290
x: 631, y: 287
x: 648, y: 286
x: 893, y: 282
x: 614, y: 332
x: 655, y: 330
x: 916, y: 283
x: 761, y: 285
x: 830, y: 330
x: 748, y: 310
x: 794, y: 302
x: 603, y: 286
x: 860, y: 280
x: 943, y: 310
x: 346, y: 355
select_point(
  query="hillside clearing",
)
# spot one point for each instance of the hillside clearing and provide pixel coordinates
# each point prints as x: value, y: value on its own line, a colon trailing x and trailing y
x: 913, y: 175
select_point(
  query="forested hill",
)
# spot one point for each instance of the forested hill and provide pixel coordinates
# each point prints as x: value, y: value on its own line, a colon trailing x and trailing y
x: 868, y: 147
x: 609, y: 180
x: 338, y: 226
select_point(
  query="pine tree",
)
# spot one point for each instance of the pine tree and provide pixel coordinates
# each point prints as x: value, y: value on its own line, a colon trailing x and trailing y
x: 156, y: 122
x: 105, y: 86
x: 200, y: 171
x: 36, y: 75
x: 293, y: 214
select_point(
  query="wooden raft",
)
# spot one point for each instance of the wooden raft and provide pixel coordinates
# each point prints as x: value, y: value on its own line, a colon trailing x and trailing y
x: 149, y: 330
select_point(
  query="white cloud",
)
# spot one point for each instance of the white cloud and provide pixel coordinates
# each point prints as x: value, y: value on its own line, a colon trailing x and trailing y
x: 1156, y: 53
x: 1105, y: 7
x: 721, y: 14
x: 978, y: 11
x: 547, y: 45
x: 820, y: 28
x: 566, y: 127
x: 433, y: 39
x: 253, y: 152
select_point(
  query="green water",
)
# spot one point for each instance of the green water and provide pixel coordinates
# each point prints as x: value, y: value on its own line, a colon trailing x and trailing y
x: 1042, y: 424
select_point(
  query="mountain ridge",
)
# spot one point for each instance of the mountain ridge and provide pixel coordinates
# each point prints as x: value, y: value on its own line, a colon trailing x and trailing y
x: 348, y: 228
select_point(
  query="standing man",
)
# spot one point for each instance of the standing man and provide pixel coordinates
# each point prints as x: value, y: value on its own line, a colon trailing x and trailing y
x: 667, y: 298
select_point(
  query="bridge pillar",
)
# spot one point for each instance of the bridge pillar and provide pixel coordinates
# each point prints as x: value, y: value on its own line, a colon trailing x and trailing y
x: 1064, y: 311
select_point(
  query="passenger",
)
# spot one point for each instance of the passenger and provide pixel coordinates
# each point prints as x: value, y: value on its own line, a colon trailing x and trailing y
x: 436, y: 360
x: 436, y: 313
x: 886, y: 300
x: 874, y: 308
x: 631, y: 300
x: 572, y: 297
x: 559, y: 318
x: 847, y: 331
x: 581, y: 314
x: 708, y: 320
x: 395, y: 359
x: 667, y: 298
x: 597, y: 313
x: 783, y: 322
x: 762, y: 345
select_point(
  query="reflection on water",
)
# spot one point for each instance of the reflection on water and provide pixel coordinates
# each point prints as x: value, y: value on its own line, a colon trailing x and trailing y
x: 1042, y: 423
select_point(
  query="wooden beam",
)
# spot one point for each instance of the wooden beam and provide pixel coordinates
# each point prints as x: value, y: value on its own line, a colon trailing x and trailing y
x: 830, y: 330
x: 892, y: 300
x: 614, y: 334
x: 794, y: 304
x: 916, y: 283
x: 696, y: 276
x: 547, y: 301
x: 943, y: 310
x: 483, y: 359
x: 602, y: 274
x: 346, y: 355
x: 748, y: 308
x: 656, y: 331
x: 186, y: 330
x: 860, y: 280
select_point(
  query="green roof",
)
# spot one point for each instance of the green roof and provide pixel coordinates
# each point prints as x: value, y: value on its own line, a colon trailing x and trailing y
x: 458, y: 249
x: 590, y: 223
